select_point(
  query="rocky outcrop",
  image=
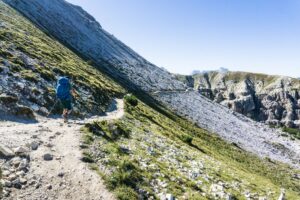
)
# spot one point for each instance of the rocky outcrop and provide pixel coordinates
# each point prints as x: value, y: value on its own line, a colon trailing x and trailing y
x: 271, y: 99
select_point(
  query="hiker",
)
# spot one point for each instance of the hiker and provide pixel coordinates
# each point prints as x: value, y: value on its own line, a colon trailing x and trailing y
x: 65, y: 94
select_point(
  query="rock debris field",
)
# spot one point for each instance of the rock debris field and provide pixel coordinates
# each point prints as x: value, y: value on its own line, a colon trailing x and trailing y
x: 252, y: 136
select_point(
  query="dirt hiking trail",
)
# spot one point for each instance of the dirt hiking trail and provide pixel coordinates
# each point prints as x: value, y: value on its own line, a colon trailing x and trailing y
x: 55, y: 170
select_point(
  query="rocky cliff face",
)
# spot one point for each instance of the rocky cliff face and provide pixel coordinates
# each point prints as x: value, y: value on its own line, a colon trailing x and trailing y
x: 75, y: 28
x: 271, y: 99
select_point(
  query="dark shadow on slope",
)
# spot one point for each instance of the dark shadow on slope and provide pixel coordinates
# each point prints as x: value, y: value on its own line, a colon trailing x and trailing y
x: 13, y: 118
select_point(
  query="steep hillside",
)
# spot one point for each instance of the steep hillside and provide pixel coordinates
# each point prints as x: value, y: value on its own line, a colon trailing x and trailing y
x: 77, y: 29
x: 271, y: 99
x: 31, y: 62
x: 149, y: 155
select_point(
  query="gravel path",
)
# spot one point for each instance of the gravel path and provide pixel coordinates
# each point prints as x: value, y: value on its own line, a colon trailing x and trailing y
x: 64, y: 176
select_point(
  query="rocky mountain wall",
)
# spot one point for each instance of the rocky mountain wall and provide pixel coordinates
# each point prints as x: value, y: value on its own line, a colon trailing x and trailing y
x: 271, y: 99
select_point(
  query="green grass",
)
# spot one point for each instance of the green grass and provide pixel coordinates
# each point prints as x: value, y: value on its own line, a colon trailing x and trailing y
x: 295, y: 133
x: 131, y: 99
x: 223, y: 161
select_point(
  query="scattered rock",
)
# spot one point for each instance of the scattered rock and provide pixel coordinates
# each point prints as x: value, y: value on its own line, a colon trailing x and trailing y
x: 61, y: 174
x: 170, y: 197
x: 282, y: 195
x: 48, y: 144
x: 296, y: 176
x: 35, y: 107
x: 58, y: 133
x: 21, y: 150
x: 44, y: 111
x: 218, y: 191
x: 15, y: 161
x: 23, y: 181
x: 23, y: 164
x: 20, y: 173
x: 6, y: 173
x: 48, y: 157
x: 12, y: 177
x: 34, y: 146
x: 5, y: 151
x: 17, y: 184
x: 49, y: 187
x: 6, y: 183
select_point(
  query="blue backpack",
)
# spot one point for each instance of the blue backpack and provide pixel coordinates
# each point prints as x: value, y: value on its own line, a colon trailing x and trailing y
x: 63, y: 89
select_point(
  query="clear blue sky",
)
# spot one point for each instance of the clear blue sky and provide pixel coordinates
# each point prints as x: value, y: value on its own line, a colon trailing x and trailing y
x: 186, y: 35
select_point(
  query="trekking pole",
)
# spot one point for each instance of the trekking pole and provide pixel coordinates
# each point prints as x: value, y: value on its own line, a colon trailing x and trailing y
x: 56, y: 101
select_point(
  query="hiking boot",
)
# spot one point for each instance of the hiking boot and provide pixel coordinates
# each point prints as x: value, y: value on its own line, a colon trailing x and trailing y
x: 65, y: 117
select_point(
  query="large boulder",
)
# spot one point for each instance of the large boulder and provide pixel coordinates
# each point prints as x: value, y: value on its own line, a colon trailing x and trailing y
x: 23, y: 111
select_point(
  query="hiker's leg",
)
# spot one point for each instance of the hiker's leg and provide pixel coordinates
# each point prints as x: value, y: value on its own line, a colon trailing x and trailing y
x: 68, y: 110
x: 69, y: 107
x: 65, y: 115
x: 65, y: 112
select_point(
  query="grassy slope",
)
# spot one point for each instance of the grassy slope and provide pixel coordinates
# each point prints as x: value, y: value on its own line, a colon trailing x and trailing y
x: 144, y: 127
x: 53, y: 59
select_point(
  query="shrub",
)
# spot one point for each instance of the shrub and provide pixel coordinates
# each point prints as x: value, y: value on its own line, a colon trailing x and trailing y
x: 29, y: 76
x: 111, y: 131
x: 126, y: 174
x: 131, y: 99
x: 292, y: 131
x: 47, y: 75
x: 126, y: 193
x: 87, y: 158
x: 187, y: 139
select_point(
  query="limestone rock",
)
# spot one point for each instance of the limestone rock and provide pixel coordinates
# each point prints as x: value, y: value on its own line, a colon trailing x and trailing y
x: 21, y: 150
x: 270, y: 99
x: 5, y: 151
